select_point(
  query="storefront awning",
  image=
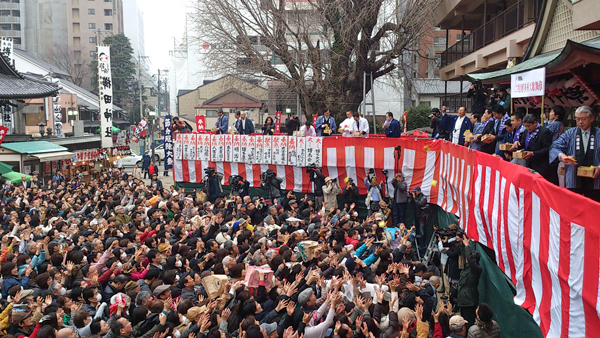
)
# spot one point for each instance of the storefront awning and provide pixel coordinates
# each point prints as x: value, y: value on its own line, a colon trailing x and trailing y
x: 57, y: 156
x: 572, y: 55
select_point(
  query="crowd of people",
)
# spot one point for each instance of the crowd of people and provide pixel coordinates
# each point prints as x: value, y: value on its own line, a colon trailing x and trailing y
x: 544, y: 146
x: 117, y: 257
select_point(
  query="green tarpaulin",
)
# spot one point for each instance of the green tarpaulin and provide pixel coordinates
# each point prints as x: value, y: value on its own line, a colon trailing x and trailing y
x: 14, y: 176
x: 497, y: 291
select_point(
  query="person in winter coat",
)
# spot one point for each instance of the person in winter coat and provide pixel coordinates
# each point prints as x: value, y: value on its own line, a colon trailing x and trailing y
x: 485, y: 326
x: 137, y: 172
x: 146, y: 160
x: 10, y: 275
x: 400, y: 199
x: 468, y: 295
x: 330, y: 191
x: 350, y: 193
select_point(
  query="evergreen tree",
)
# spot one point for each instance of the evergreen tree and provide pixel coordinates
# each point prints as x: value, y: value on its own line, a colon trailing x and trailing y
x: 123, y: 70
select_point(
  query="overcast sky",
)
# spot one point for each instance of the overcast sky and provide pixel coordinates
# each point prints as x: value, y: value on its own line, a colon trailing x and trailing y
x: 163, y: 21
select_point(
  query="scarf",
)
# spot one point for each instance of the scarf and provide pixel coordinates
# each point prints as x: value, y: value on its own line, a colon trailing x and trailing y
x: 530, y: 136
x: 518, y: 133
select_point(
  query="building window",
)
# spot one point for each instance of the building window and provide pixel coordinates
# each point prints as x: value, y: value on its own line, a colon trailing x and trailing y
x: 93, y: 53
x: 107, y: 0
x: 76, y: 41
x: 108, y: 12
x: 108, y: 27
x: 5, y: 26
x: 17, y: 41
x: 91, y: 11
x: 77, y: 54
x: 16, y: 14
x: 5, y: 13
x: 16, y: 26
x: 439, y: 41
x: 93, y: 39
x: 458, y: 36
x: 92, y: 26
x: 425, y: 103
x: 211, y: 113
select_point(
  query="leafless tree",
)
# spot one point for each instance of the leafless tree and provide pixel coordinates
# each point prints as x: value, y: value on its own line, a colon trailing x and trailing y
x: 320, y: 49
x: 72, y: 62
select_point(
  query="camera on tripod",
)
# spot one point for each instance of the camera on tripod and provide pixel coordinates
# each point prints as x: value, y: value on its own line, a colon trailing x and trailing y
x: 311, y: 169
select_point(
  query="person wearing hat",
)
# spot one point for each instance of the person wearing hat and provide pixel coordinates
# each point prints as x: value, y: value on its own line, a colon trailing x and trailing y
x: 162, y: 292
x: 458, y: 327
x: 485, y: 326
x: 21, y: 323
x: 331, y: 189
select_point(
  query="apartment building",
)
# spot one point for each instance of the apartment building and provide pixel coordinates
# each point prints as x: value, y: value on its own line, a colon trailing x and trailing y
x: 61, y: 29
x: 11, y: 21
x: 492, y: 32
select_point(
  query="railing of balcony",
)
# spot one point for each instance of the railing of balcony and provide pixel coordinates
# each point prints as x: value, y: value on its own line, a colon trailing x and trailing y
x: 505, y: 23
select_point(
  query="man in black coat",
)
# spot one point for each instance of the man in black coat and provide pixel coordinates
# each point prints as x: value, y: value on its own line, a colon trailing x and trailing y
x: 535, y: 144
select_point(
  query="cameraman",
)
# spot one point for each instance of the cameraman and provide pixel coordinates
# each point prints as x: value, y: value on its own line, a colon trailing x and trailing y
x: 271, y: 183
x: 317, y: 177
x: 292, y: 124
x: 501, y: 97
x: 213, y: 181
x: 436, y: 118
x: 239, y: 186
x: 419, y: 202
x: 480, y: 97
x: 374, y: 196
x: 350, y: 193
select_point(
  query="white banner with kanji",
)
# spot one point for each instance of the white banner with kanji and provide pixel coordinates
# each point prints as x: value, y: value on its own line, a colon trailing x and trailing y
x: 235, y: 157
x: 178, y: 151
x: 531, y: 83
x: 228, y: 147
x: 259, y: 149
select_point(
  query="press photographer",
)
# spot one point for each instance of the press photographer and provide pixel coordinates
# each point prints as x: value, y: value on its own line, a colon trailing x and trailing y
x: 239, y: 186
x: 317, y: 177
x: 374, y: 196
x: 213, y: 181
x: 271, y: 183
x: 480, y: 97
x: 419, y: 202
x: 350, y: 193
x: 500, y: 97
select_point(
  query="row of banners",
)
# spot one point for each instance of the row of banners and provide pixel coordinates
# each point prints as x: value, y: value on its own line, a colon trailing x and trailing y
x: 251, y: 149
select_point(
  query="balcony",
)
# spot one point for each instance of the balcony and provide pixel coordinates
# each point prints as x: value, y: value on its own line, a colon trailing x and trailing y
x: 514, y: 18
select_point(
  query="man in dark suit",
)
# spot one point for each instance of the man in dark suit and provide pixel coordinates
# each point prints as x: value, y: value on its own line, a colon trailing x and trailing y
x: 535, y: 143
x: 461, y: 124
x: 24, y: 182
x: 489, y: 146
x: 245, y: 126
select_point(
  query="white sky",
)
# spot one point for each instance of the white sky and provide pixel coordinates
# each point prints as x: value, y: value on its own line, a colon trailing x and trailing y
x: 163, y: 21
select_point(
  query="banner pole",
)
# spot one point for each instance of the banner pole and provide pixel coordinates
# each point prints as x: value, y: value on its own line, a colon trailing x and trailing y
x: 542, y: 111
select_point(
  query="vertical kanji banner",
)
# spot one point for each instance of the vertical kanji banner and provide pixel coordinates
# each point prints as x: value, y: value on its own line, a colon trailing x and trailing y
x: 292, y: 151
x: 259, y: 140
x: 278, y: 122
x: 105, y: 96
x: 178, y: 147
x: 267, y: 150
x: 228, y: 147
x: 200, y: 123
x: 168, y: 143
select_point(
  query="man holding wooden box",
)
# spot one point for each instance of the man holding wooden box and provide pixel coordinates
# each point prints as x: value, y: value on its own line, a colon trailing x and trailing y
x: 578, y: 150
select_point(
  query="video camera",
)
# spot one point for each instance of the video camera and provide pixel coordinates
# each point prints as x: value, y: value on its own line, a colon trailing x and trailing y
x: 209, y: 171
x: 311, y: 169
x: 235, y: 180
x: 450, y: 233
x: 267, y: 175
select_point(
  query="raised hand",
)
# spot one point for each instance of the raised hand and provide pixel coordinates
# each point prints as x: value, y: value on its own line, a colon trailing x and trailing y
x: 419, y: 312
x: 290, y: 308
